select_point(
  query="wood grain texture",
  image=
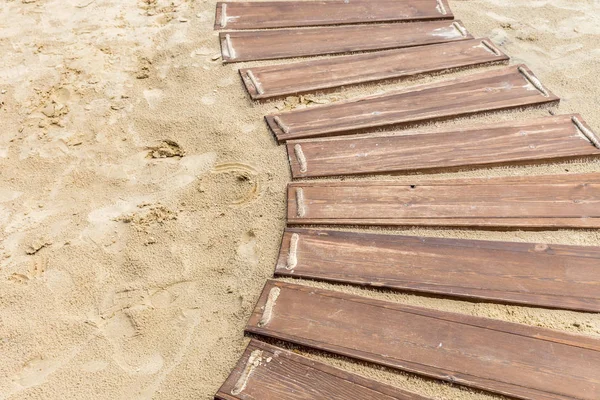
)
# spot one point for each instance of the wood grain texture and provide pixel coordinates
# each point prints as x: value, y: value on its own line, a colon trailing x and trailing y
x: 544, y: 139
x: 280, y: 374
x: 290, y: 79
x: 286, y: 43
x: 283, y: 14
x: 535, y: 202
x: 511, y: 359
x: 546, y: 275
x: 486, y: 91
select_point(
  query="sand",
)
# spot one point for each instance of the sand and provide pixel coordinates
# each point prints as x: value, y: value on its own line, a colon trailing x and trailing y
x: 142, y: 197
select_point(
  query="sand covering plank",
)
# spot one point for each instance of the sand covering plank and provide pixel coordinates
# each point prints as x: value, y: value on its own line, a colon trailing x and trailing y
x: 283, y: 14
x: 266, y: 372
x: 289, y: 79
x: 558, y: 201
x: 540, y: 274
x: 506, y: 88
x: 506, y: 358
x: 285, y: 43
x: 544, y: 139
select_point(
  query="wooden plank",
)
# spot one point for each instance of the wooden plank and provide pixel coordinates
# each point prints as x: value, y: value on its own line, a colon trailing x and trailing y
x: 285, y: 43
x: 511, y: 359
x: 290, y: 79
x: 510, y: 87
x: 546, y: 275
x: 533, y: 202
x: 285, y: 14
x: 266, y: 372
x: 544, y: 139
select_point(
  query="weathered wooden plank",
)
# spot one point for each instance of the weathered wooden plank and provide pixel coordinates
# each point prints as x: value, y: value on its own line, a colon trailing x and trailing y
x: 284, y: 14
x: 544, y: 139
x: 546, y: 275
x: 289, y: 79
x: 510, y: 87
x: 511, y: 359
x: 285, y: 43
x: 525, y: 202
x: 267, y: 372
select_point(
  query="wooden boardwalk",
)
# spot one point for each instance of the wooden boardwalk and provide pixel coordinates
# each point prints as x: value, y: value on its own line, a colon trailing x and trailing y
x: 375, y: 41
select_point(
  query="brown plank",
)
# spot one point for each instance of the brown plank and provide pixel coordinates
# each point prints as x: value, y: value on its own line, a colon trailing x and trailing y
x: 266, y: 372
x: 546, y: 275
x: 289, y: 79
x: 285, y: 43
x: 511, y: 359
x: 510, y: 87
x: 284, y: 14
x: 532, y: 202
x: 544, y: 139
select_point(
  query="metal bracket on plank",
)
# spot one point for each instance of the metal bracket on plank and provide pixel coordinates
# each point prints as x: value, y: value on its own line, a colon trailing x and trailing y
x: 460, y: 28
x: 489, y: 46
x: 223, y: 15
x: 292, y: 260
x: 301, y: 208
x: 281, y: 125
x: 588, y: 133
x: 441, y: 7
x: 255, y: 82
x: 301, y: 158
x: 534, y: 81
x: 230, y: 51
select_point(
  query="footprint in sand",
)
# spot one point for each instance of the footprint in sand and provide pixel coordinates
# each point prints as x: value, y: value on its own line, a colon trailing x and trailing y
x: 94, y: 366
x: 36, y: 371
x: 37, y: 268
x: 247, y: 249
x: 118, y: 326
x: 234, y: 184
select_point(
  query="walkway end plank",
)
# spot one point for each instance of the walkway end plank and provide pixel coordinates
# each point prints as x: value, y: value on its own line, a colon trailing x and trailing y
x: 266, y: 372
x: 284, y: 14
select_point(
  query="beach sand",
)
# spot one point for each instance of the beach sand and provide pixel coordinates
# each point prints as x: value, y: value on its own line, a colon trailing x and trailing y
x: 142, y: 197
